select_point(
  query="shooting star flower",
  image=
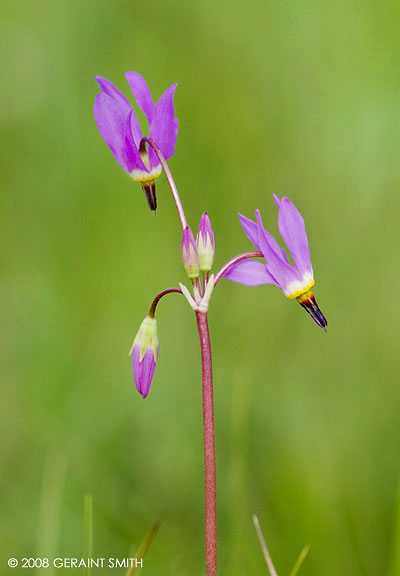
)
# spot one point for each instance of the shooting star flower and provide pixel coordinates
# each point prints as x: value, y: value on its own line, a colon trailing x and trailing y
x: 295, y: 280
x: 121, y: 131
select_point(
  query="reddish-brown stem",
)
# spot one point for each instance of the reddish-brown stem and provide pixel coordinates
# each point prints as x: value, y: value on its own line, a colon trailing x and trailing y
x: 209, y: 445
x: 170, y: 179
x: 158, y: 298
x: 233, y: 261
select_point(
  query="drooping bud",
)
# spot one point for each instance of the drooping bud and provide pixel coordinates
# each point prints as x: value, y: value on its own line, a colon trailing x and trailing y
x: 190, y: 257
x: 205, y: 244
x: 144, y: 355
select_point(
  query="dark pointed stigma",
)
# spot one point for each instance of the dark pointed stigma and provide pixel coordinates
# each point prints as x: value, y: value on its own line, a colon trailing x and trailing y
x: 311, y: 306
x: 149, y: 188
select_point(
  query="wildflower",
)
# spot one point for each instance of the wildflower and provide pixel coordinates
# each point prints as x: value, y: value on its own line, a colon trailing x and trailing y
x: 295, y: 280
x: 190, y: 257
x: 205, y: 244
x: 144, y: 353
x: 120, y: 129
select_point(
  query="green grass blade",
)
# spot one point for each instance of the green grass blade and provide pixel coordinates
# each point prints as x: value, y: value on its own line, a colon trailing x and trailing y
x: 266, y: 554
x: 300, y: 560
x: 145, y: 545
x: 50, y: 507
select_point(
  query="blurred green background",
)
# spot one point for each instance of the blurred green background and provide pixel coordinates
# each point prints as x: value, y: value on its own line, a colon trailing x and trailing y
x: 294, y: 98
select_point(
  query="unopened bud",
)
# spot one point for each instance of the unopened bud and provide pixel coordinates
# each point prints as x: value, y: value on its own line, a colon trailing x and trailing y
x: 205, y: 244
x: 190, y: 257
x: 144, y: 355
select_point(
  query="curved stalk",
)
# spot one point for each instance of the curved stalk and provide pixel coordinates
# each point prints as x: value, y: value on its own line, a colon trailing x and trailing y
x: 235, y: 260
x: 170, y: 179
x: 156, y: 300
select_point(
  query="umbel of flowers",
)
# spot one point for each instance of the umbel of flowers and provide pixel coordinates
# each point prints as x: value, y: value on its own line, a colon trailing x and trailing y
x: 144, y: 159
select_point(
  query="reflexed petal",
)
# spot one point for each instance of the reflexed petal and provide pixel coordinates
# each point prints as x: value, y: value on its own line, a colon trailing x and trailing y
x: 164, y: 127
x: 284, y: 255
x: 143, y: 371
x: 283, y: 273
x: 250, y: 273
x: 108, y: 88
x: 136, y: 161
x: 250, y: 228
x: 135, y: 129
x: 271, y: 240
x: 110, y: 119
x: 142, y: 94
x: 292, y: 229
x: 277, y: 201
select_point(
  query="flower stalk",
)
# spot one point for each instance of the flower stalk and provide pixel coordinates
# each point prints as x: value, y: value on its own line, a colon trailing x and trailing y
x: 235, y: 260
x: 171, y: 182
x: 209, y: 444
x: 156, y: 300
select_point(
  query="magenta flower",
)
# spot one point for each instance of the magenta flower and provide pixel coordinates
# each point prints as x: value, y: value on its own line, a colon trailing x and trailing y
x: 121, y: 131
x: 144, y: 354
x: 295, y: 280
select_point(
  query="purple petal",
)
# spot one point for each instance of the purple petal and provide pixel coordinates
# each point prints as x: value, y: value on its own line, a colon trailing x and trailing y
x: 283, y: 273
x: 271, y: 240
x: 205, y: 229
x: 164, y: 126
x: 250, y: 228
x: 277, y: 201
x: 284, y: 255
x: 249, y: 273
x: 108, y: 88
x: 111, y: 116
x: 292, y: 229
x: 135, y: 129
x: 136, y: 161
x: 190, y: 256
x: 143, y: 371
x: 188, y: 244
x: 142, y: 94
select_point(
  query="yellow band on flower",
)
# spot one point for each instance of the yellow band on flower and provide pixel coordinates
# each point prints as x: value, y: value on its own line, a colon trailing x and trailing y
x: 306, y: 295
x: 301, y: 292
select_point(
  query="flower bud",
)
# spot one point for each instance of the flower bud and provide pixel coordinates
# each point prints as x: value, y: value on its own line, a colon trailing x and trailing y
x: 205, y: 244
x: 190, y: 257
x: 144, y: 355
